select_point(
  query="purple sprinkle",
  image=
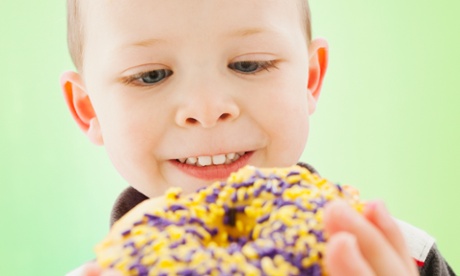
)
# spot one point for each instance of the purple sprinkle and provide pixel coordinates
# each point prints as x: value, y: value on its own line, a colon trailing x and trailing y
x: 181, y: 221
x: 298, y: 203
x: 141, y: 270
x: 339, y: 187
x: 177, y: 244
x: 313, y: 270
x: 212, y: 231
x: 187, y: 272
x: 126, y: 233
x: 177, y: 207
x: 280, y: 203
x: 263, y: 218
x: 201, y: 189
x: 291, y: 173
x: 138, y: 223
x: 242, y: 241
x: 260, y: 175
x: 157, y: 221
x: 274, y: 177
x: 189, y: 256
x: 197, y: 221
x: 297, y: 261
x: 129, y: 244
x: 234, y: 197
x: 211, y: 198
x: 269, y: 252
x: 288, y: 256
x: 233, y: 248
x: 318, y: 234
x: 152, y: 217
x: 258, y: 191
x: 194, y: 232
x: 240, y: 209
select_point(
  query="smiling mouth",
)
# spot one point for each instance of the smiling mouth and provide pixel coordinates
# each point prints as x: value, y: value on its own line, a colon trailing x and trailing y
x: 210, y: 160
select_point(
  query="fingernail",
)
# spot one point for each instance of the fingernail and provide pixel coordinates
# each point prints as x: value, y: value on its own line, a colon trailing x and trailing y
x: 381, y: 208
x: 371, y: 206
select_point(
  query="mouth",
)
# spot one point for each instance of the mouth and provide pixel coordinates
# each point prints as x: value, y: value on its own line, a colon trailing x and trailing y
x: 210, y: 160
x: 213, y: 167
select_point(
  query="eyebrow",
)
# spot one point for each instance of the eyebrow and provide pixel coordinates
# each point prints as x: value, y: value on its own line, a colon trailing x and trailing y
x: 148, y: 42
x: 246, y: 32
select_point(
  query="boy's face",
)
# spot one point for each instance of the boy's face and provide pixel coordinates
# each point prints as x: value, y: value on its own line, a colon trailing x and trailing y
x: 174, y: 81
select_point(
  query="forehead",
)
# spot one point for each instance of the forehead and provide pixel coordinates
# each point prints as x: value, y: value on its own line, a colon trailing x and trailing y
x: 116, y: 29
x: 192, y: 16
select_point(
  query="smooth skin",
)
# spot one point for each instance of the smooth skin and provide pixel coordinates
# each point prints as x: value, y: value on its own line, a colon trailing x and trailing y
x: 165, y: 80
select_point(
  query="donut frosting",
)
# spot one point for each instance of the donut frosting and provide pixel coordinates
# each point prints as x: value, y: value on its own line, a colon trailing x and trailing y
x: 257, y: 222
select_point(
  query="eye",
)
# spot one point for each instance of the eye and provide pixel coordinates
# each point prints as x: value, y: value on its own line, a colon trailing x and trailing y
x: 154, y: 76
x: 252, y: 67
x: 148, y: 78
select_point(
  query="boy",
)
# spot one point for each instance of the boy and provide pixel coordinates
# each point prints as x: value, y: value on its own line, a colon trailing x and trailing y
x: 182, y: 93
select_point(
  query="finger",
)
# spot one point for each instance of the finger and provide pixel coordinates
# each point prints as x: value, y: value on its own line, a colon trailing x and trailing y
x: 377, y: 251
x: 343, y: 257
x: 377, y: 214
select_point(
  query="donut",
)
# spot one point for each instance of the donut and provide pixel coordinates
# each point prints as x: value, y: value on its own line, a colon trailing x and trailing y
x: 260, y: 221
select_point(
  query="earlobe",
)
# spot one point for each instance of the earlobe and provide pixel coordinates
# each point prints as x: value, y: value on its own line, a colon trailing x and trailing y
x: 318, y: 62
x: 94, y: 132
x: 80, y: 106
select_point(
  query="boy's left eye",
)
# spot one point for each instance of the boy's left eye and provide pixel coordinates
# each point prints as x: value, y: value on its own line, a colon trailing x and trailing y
x: 251, y: 67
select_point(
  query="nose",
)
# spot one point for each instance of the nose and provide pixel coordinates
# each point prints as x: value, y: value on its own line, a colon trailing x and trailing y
x: 206, y: 109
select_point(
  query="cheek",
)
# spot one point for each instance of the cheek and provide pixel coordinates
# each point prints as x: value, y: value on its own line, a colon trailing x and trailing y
x: 132, y: 135
x: 285, y: 118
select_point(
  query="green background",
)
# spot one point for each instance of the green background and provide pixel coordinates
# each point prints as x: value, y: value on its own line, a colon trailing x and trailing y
x: 387, y: 123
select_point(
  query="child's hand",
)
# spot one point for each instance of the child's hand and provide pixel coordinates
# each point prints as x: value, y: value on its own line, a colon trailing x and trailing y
x: 365, y: 245
x: 92, y: 269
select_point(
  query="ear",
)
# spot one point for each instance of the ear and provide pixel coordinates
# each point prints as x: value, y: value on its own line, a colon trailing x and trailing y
x: 318, y: 51
x: 80, y: 106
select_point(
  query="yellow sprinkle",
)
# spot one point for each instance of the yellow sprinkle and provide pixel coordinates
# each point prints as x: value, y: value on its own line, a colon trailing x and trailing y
x: 241, y: 193
x: 293, y: 179
x: 166, y: 263
x: 249, y: 251
x: 267, y: 266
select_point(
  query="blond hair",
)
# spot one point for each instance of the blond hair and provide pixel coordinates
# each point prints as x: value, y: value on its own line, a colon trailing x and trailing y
x: 75, y: 33
x: 75, y: 29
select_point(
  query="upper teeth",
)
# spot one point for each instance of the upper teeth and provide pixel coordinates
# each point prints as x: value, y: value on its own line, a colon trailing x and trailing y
x: 213, y: 159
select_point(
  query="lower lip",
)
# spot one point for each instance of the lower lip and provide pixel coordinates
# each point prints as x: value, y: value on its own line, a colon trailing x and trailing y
x: 214, y: 172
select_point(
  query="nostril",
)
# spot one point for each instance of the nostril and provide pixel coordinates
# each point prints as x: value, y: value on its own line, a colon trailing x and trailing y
x: 224, y: 116
x: 191, y: 121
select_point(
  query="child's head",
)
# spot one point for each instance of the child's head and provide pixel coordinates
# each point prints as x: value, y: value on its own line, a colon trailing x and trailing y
x: 177, y: 90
